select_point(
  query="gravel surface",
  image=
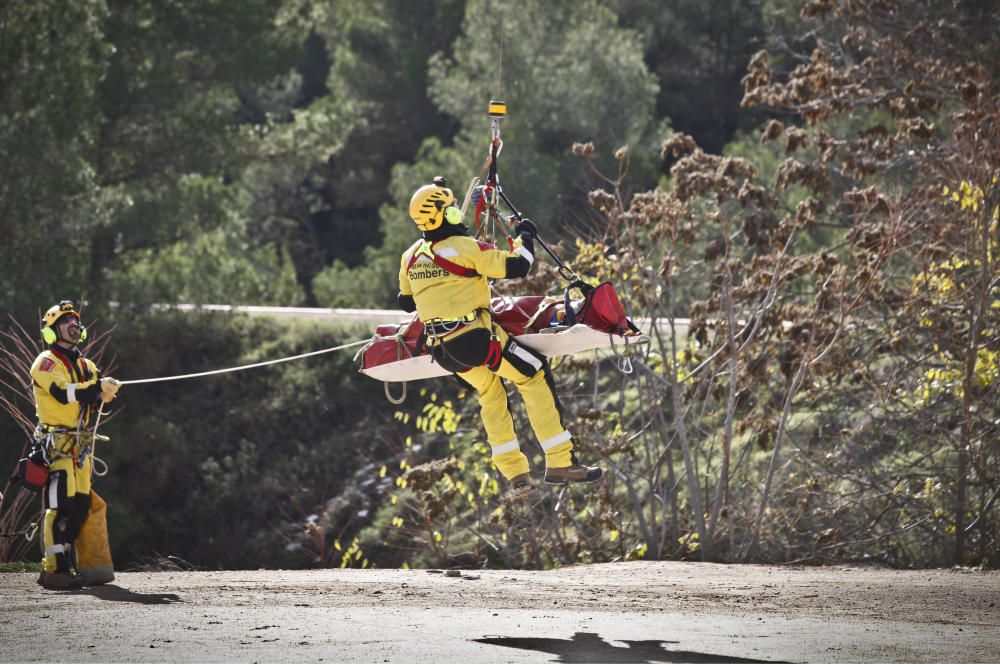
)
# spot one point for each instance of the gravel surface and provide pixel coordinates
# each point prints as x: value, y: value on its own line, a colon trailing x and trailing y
x: 612, y: 613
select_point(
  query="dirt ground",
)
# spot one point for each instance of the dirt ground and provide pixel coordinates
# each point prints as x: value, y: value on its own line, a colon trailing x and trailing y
x: 612, y: 613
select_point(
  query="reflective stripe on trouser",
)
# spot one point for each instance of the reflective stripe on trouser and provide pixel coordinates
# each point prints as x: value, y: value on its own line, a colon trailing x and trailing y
x: 539, y: 400
x: 66, y: 499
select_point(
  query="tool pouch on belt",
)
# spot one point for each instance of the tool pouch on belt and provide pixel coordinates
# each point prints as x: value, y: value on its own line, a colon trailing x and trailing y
x: 31, y: 473
x: 471, y: 349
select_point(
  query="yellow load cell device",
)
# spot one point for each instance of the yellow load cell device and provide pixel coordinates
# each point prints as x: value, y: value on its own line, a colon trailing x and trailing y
x: 497, y: 109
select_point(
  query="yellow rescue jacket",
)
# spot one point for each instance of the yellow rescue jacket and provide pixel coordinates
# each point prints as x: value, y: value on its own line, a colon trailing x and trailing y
x: 442, y: 294
x: 59, y: 380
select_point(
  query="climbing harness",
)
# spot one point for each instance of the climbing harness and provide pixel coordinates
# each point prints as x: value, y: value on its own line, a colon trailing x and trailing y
x: 436, y: 330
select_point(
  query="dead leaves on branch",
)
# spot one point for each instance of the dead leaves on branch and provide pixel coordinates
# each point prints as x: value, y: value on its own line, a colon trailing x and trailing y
x: 916, y: 61
x: 821, y: 290
x: 794, y: 172
x: 698, y: 173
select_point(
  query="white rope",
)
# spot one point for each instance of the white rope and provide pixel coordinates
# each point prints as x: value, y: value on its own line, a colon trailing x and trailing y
x: 243, y: 367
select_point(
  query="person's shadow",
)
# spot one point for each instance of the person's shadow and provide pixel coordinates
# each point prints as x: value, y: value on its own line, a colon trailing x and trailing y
x: 591, y: 648
x: 115, y: 593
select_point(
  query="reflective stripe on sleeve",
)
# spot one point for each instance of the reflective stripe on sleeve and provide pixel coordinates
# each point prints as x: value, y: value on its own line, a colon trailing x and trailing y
x: 523, y: 251
x: 561, y: 437
x: 71, y: 393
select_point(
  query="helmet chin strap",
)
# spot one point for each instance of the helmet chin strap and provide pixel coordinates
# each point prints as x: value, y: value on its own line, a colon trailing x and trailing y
x: 80, y: 338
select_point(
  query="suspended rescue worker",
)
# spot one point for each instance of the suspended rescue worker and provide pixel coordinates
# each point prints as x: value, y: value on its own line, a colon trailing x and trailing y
x: 443, y: 277
x: 68, y: 391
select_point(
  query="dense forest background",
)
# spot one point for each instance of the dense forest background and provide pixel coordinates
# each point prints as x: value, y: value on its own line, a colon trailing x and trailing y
x: 813, y: 184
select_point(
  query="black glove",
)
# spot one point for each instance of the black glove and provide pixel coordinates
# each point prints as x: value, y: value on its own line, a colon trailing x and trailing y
x: 406, y: 303
x: 526, y: 227
x: 477, y: 194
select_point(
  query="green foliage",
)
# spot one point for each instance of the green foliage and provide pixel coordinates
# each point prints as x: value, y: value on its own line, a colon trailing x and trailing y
x: 21, y: 567
x: 53, y: 58
x: 438, y: 501
x: 379, y: 53
x: 168, y: 111
x: 698, y: 52
x: 557, y: 91
x: 375, y: 282
x: 589, y: 84
x: 164, y: 121
x: 219, y: 261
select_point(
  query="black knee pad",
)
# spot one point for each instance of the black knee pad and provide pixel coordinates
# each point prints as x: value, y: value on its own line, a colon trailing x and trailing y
x: 54, y: 496
x: 78, y: 507
x: 526, y: 361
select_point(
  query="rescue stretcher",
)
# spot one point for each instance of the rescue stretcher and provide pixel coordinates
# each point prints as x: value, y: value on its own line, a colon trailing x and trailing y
x: 551, y: 326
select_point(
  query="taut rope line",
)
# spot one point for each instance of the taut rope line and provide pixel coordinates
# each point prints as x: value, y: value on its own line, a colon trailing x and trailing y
x: 243, y: 367
x: 500, y: 56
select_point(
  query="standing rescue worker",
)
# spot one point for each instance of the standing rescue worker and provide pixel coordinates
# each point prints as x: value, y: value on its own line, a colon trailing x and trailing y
x: 68, y: 391
x: 444, y: 278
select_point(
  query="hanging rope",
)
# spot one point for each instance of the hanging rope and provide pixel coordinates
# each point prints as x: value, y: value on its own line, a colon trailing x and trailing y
x: 500, y: 55
x: 28, y: 532
x: 94, y: 459
x: 243, y: 367
x: 400, y: 349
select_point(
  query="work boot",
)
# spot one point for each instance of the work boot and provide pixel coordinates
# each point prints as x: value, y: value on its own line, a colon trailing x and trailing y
x: 574, y: 473
x: 521, y: 485
x: 66, y: 575
x: 59, y: 580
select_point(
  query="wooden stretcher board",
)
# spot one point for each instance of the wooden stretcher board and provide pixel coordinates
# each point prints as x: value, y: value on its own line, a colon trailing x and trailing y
x: 560, y: 342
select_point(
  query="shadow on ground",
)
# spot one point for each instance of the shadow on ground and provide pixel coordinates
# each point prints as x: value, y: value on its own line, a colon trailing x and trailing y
x: 113, y: 592
x: 591, y: 648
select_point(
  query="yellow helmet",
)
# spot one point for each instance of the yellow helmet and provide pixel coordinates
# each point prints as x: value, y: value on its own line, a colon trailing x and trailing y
x: 52, y: 316
x: 429, y: 206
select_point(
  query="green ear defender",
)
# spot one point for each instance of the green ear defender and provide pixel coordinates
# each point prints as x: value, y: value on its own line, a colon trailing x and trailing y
x: 50, y: 336
x: 453, y: 215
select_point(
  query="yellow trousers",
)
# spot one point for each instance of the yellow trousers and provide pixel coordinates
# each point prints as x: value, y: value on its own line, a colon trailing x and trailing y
x: 528, y: 372
x: 67, y: 502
